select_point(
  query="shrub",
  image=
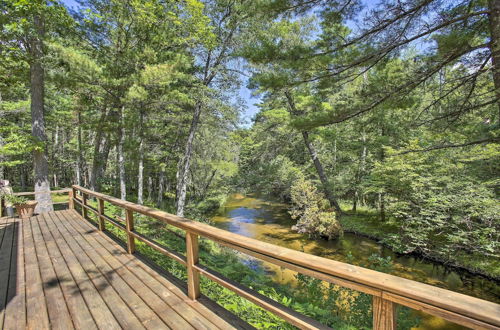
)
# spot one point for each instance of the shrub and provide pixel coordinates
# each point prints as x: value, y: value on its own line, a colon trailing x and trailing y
x: 312, y: 211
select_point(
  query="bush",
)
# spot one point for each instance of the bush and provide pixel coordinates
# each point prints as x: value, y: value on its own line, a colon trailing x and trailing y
x: 312, y: 211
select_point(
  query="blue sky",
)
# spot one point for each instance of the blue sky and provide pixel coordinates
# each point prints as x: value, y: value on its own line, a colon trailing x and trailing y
x: 244, y: 93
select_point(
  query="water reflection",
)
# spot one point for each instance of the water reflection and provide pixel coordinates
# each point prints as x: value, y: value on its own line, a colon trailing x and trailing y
x: 270, y: 222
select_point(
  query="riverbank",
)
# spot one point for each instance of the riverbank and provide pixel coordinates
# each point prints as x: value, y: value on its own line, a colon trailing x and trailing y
x: 367, y: 224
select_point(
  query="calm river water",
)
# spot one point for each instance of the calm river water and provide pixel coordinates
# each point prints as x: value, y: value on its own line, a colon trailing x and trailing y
x: 270, y: 222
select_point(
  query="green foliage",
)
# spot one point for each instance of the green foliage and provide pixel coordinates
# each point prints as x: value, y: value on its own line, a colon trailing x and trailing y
x: 13, y: 199
x: 331, y: 305
x: 311, y: 210
x: 439, y: 207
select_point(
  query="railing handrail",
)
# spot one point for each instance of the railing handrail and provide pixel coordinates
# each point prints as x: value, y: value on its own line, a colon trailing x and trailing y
x: 444, y: 303
x: 29, y: 193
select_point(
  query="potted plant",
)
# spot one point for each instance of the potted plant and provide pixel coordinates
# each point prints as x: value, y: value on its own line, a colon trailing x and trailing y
x: 25, y: 208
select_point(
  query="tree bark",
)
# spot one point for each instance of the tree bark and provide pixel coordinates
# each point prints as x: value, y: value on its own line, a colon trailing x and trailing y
x: 494, y: 20
x: 150, y: 187
x: 140, y: 175
x: 79, y: 151
x: 37, y: 86
x: 321, y: 173
x: 101, y: 152
x: 183, y: 171
x: 382, y: 194
x: 121, y: 158
x: 317, y: 163
x: 161, y: 185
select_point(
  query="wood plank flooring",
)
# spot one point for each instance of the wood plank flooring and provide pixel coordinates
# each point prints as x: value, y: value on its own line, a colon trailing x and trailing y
x: 57, y: 271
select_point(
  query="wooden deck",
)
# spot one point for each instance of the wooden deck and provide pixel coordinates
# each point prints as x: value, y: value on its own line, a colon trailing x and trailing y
x: 58, y: 271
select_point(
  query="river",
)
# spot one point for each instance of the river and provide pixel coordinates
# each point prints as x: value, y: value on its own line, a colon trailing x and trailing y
x: 270, y: 222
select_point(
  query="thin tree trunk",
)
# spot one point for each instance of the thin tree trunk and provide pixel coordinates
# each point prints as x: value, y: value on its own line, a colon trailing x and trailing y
x: 40, y: 162
x: 494, y: 18
x: 335, y: 155
x: 161, y: 185
x: 101, y: 144
x: 321, y: 173
x: 23, y: 178
x: 150, y: 187
x: 79, y: 151
x: 140, y: 176
x: 121, y: 158
x: 55, y: 150
x: 207, y: 186
x: 360, y: 173
x: 183, y: 171
x: 317, y: 163
x: 382, y: 194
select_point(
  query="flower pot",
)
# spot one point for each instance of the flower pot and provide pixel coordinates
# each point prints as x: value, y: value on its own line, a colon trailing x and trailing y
x: 26, y: 209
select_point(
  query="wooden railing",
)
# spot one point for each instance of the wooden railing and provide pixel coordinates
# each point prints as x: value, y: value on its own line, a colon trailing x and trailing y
x: 387, y: 290
x: 32, y: 193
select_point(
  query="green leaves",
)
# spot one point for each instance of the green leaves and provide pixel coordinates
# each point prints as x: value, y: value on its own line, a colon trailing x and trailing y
x: 311, y: 210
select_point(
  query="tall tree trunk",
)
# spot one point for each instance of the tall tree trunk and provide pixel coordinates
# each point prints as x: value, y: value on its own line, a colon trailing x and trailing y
x: 79, y: 151
x: 140, y: 176
x: 317, y: 163
x: 101, y: 152
x: 335, y: 155
x: 207, y: 186
x: 321, y: 173
x: 161, y: 187
x: 382, y: 194
x: 23, y: 178
x: 40, y: 163
x: 121, y: 158
x: 183, y: 170
x: 494, y: 18
x: 150, y: 187
x: 2, y: 159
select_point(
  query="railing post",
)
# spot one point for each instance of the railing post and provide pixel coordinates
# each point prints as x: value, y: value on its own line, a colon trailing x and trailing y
x: 129, y: 222
x: 84, y: 203
x: 192, y: 259
x: 384, y: 314
x: 71, y: 202
x: 100, y: 209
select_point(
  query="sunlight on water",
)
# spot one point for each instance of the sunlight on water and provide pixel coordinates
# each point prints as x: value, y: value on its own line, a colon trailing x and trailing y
x: 270, y: 222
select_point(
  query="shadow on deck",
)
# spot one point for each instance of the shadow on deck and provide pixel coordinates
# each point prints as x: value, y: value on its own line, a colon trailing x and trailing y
x: 58, y: 271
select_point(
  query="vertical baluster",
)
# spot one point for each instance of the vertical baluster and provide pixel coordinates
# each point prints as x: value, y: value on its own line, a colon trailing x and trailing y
x: 100, y: 209
x: 84, y: 203
x: 129, y: 221
x: 71, y: 202
x: 192, y: 259
x: 384, y: 314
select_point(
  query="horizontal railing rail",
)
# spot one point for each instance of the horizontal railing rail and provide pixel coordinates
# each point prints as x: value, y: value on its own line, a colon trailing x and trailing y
x: 386, y: 290
x: 68, y: 191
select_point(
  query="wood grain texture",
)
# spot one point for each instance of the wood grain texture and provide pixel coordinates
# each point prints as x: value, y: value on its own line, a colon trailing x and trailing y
x: 154, y: 278
x: 471, y: 310
x: 100, y: 214
x: 192, y: 260
x: 60, y: 272
x: 384, y: 314
x: 129, y: 223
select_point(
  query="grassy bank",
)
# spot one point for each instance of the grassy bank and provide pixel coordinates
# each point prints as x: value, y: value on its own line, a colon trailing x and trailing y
x: 366, y: 222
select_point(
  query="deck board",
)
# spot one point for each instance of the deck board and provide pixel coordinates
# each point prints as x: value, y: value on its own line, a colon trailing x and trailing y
x: 57, y: 271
